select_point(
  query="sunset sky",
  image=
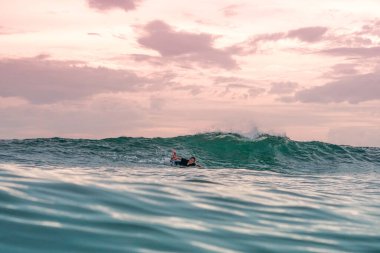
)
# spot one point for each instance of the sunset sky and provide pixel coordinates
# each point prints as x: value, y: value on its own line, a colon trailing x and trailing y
x: 309, y: 70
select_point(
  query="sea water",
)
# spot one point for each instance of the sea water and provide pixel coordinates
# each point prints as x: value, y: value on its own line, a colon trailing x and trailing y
x: 263, y: 194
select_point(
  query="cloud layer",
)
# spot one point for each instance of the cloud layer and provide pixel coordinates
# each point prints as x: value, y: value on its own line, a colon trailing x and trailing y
x: 44, y: 81
x: 176, y: 67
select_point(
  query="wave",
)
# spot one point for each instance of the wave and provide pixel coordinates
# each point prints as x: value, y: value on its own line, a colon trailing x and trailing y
x: 213, y: 150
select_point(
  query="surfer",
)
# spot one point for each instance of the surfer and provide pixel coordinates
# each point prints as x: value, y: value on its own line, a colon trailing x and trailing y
x: 176, y: 160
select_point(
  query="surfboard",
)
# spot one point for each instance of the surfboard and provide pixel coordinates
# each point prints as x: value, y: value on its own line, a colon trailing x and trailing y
x: 167, y: 162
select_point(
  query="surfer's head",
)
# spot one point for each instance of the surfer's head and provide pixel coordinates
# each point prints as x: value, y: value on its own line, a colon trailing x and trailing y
x: 192, y: 160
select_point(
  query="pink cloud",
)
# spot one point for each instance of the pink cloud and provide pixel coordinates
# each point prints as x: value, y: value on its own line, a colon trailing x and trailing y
x: 229, y: 79
x: 358, y: 135
x: 283, y: 87
x: 10, y: 31
x: 153, y: 60
x: 230, y: 10
x: 343, y: 69
x: 372, y: 28
x: 94, y: 34
x: 252, y: 44
x: 45, y: 81
x: 241, y: 91
x: 237, y: 87
x: 255, y: 91
x: 308, y: 34
x: 104, y: 5
x: 363, y: 43
x: 100, y: 116
x: 193, y: 89
x: 352, y: 89
x: 185, y: 46
x: 305, y: 34
x: 352, y: 41
x: 367, y: 52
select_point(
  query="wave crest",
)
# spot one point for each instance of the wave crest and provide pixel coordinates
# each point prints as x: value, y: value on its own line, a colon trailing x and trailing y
x: 213, y: 150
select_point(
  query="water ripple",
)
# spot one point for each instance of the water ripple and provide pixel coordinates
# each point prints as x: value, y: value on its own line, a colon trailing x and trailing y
x: 89, y: 209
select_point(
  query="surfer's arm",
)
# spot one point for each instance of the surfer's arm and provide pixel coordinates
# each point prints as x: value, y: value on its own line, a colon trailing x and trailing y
x: 174, y: 156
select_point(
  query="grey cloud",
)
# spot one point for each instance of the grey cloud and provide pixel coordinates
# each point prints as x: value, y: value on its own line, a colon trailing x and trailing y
x: 46, y: 81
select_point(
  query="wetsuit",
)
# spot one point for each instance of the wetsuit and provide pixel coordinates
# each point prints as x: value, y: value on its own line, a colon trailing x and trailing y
x: 183, y: 162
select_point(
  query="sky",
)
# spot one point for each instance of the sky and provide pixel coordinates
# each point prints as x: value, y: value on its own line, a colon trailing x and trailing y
x: 306, y: 69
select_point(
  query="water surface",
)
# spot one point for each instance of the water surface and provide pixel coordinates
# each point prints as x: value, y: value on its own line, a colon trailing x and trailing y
x: 266, y: 194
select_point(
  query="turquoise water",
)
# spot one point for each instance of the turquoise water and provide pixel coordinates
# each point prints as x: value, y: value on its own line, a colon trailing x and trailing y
x: 263, y: 194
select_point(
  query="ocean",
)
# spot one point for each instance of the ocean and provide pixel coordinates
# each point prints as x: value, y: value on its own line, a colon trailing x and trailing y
x: 255, y: 194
